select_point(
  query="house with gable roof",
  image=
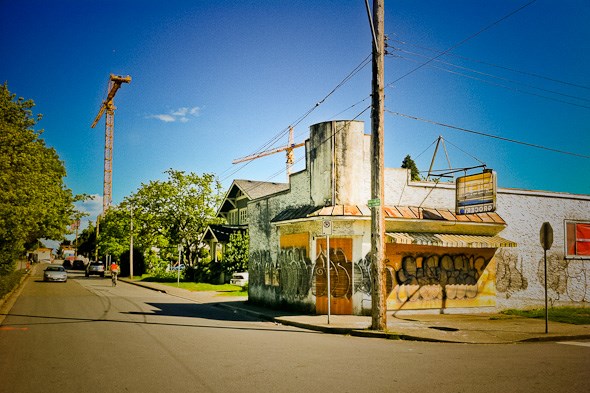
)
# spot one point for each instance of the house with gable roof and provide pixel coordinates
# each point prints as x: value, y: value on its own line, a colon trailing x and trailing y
x: 234, y: 211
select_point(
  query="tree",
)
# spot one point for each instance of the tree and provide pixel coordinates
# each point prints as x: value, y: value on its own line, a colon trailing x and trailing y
x: 235, y: 257
x: 34, y: 202
x: 408, y: 163
x: 175, y: 211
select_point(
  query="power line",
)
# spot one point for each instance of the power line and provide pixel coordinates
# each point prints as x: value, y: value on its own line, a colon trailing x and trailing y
x: 551, y: 79
x: 488, y: 135
x: 283, y: 132
x: 462, y: 42
x: 509, y: 87
x: 486, y: 74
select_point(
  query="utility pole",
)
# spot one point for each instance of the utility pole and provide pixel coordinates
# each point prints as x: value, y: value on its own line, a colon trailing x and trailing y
x: 378, y: 304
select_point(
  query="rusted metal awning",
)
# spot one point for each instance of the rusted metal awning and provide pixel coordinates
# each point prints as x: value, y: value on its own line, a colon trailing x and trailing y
x: 448, y: 240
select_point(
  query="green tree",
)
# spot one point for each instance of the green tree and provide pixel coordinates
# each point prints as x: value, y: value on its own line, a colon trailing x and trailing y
x: 235, y: 258
x: 34, y: 202
x: 408, y: 163
x: 175, y: 211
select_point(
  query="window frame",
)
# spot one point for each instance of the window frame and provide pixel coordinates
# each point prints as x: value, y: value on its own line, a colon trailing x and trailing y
x: 567, y: 234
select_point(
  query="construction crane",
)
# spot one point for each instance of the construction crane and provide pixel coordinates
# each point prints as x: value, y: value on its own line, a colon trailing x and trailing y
x: 108, y: 105
x: 287, y: 149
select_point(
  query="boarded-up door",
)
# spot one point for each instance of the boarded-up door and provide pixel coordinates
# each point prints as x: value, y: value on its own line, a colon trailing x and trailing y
x: 340, y: 276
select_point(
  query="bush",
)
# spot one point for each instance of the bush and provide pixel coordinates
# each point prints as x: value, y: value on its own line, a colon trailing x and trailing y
x: 9, y: 281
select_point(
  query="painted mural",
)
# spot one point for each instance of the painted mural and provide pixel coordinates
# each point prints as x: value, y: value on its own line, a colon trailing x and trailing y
x: 436, y: 277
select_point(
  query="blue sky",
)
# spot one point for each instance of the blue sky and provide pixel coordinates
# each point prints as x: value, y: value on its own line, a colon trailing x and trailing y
x: 216, y: 80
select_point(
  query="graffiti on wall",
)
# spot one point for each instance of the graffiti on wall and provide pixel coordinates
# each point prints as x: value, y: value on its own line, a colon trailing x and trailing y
x: 567, y: 280
x: 295, y: 272
x: 509, y: 273
x: 340, y: 274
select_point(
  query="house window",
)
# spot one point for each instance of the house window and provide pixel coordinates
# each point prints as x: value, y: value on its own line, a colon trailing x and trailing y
x: 577, y: 239
x: 233, y: 217
x: 243, y: 216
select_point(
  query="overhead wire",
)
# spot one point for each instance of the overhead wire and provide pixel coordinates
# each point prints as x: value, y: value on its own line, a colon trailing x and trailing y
x: 528, y: 73
x: 488, y: 135
x: 506, y: 86
x: 461, y: 42
x: 297, y: 121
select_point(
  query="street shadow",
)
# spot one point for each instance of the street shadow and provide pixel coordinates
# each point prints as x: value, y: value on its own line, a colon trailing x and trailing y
x: 58, y: 320
x: 196, y: 310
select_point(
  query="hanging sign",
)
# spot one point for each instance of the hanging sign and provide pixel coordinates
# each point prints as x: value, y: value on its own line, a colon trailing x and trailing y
x: 476, y: 193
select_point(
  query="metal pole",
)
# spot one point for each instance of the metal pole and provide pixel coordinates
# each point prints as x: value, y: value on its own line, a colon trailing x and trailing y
x: 178, y: 275
x: 131, y: 247
x: 546, y: 309
x: 328, y: 274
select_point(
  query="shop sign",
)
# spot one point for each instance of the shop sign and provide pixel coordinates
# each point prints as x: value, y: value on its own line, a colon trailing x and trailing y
x: 476, y: 193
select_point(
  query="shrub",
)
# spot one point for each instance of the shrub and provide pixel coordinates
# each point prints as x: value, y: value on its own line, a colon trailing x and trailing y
x: 9, y: 281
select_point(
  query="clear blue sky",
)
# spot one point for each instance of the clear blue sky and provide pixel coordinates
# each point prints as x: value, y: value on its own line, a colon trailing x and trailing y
x: 216, y: 80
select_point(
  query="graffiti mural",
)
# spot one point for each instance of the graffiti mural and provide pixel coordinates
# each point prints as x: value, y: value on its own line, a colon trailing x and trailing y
x: 567, y: 280
x: 295, y: 272
x: 423, y: 277
x: 340, y: 272
x: 263, y: 272
x: 509, y: 275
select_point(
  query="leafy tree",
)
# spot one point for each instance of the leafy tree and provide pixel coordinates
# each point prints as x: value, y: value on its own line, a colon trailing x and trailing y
x: 176, y: 211
x: 408, y: 163
x: 235, y: 258
x: 34, y: 202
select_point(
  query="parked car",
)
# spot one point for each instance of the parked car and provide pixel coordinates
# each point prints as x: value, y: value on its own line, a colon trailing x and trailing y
x: 239, y: 279
x: 96, y: 268
x: 55, y: 273
x: 78, y: 264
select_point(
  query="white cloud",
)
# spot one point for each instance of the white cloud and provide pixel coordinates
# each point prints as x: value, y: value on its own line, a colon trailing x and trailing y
x: 182, y: 114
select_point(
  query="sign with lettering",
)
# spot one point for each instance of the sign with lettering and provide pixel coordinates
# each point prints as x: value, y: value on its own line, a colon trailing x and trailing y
x: 476, y: 193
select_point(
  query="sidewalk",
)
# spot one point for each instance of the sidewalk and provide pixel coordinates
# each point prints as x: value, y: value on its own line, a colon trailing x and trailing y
x: 453, y: 328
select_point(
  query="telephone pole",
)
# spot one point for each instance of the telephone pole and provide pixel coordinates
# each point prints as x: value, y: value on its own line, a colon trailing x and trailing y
x: 379, y: 304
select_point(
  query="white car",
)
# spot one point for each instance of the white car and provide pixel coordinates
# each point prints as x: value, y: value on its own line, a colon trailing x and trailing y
x: 55, y: 273
x: 239, y: 279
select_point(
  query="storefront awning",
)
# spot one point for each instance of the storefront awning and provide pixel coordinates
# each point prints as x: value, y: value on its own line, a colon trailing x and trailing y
x: 448, y: 240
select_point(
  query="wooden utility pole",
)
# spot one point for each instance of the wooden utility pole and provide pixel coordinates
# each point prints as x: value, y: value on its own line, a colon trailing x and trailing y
x: 379, y: 305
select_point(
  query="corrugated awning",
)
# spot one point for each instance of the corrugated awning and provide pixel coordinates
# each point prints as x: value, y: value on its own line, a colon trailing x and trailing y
x: 448, y: 240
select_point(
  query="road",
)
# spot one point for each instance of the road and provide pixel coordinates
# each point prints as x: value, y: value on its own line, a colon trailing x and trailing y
x: 86, y: 336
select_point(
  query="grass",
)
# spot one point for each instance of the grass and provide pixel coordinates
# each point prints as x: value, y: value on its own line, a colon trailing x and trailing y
x: 572, y: 315
x: 223, y: 289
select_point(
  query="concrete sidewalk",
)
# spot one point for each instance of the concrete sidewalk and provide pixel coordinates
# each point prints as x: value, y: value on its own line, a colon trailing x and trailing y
x: 453, y: 328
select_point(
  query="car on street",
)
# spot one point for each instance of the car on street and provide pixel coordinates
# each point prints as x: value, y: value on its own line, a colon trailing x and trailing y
x: 95, y: 268
x: 78, y: 264
x: 55, y: 273
x: 239, y: 279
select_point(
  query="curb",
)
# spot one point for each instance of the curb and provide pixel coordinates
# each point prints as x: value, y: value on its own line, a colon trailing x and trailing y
x: 388, y: 335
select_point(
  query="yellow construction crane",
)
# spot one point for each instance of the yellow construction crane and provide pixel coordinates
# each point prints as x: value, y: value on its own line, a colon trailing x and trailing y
x: 287, y: 149
x: 108, y: 105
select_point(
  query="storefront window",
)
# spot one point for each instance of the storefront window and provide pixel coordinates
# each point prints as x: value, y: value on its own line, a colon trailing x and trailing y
x: 577, y: 237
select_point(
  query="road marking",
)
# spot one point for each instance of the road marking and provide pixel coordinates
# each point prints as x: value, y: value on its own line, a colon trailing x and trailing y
x: 581, y: 344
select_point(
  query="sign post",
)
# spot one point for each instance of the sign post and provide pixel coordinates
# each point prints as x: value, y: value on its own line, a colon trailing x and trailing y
x: 327, y: 230
x: 546, y: 235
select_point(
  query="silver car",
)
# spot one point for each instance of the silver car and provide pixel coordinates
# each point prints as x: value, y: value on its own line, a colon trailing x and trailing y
x: 55, y: 273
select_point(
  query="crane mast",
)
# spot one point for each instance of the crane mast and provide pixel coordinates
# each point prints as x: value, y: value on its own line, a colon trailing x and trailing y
x: 108, y: 106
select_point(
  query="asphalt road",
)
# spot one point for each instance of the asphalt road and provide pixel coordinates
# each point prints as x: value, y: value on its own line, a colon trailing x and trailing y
x: 86, y: 336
